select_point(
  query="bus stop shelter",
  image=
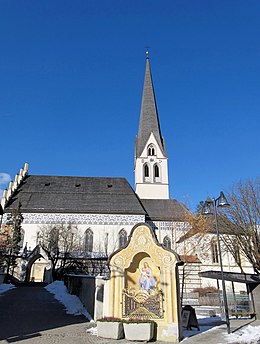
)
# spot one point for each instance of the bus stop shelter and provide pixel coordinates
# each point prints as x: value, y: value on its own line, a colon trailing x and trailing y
x: 252, y: 281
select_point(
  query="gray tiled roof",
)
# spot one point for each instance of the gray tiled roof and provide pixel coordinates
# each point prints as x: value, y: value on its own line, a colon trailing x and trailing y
x: 149, y: 121
x: 76, y: 195
x: 165, y: 209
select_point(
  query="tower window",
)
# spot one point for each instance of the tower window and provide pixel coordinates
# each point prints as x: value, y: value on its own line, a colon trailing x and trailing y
x: 146, y: 173
x: 151, y: 150
x: 156, y: 171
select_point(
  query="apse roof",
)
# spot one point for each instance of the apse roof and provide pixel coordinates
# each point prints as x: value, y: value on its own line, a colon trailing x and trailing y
x: 165, y: 209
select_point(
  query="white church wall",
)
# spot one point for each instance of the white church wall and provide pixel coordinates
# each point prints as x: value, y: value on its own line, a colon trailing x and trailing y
x: 147, y: 191
x: 105, y: 227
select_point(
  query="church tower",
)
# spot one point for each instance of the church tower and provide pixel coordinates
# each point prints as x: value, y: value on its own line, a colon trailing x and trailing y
x: 151, y: 162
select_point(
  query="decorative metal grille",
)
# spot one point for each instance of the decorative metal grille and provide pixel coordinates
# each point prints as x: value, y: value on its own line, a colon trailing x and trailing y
x: 142, y: 304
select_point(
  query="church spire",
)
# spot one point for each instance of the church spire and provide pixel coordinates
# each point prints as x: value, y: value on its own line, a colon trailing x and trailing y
x: 149, y: 121
x: 151, y: 163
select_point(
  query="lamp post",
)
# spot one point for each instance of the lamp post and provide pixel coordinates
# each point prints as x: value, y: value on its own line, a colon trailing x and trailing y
x: 209, y: 207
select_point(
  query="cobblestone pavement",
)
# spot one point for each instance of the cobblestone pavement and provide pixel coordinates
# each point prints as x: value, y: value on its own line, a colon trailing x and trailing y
x: 31, y: 315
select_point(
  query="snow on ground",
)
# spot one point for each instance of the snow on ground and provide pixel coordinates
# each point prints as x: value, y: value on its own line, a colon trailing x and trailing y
x: 247, y: 335
x: 71, y: 302
x: 5, y: 287
x: 92, y: 331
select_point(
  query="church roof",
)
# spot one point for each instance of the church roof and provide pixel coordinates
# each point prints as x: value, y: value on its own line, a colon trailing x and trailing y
x: 75, y: 195
x: 149, y: 121
x: 165, y: 209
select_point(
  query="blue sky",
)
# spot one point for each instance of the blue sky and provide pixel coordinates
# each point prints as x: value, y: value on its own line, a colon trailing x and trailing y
x: 71, y: 78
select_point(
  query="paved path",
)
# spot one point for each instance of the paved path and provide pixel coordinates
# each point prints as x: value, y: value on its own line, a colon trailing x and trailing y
x: 27, y: 312
x: 31, y: 315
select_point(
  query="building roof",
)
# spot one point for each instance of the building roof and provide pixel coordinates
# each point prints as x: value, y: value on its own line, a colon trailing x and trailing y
x: 75, y: 195
x: 232, y: 276
x: 149, y: 121
x: 189, y: 258
x: 165, y: 209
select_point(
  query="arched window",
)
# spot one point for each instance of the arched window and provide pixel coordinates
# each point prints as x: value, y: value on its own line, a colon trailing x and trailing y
x: 38, y: 238
x: 146, y: 173
x: 22, y: 238
x: 156, y: 171
x: 122, y: 238
x: 54, y: 239
x: 167, y: 242
x: 237, y: 254
x: 151, y: 150
x: 89, y: 240
x: 146, y: 170
x: 214, y: 251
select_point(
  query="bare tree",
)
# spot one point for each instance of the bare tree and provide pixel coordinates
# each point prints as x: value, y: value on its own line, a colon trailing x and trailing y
x: 62, y: 244
x: 243, y: 220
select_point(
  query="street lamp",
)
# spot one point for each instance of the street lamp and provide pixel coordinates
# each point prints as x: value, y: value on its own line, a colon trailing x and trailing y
x: 209, y: 207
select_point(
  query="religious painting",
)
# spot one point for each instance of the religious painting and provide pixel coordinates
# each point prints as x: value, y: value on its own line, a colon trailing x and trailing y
x: 142, y: 297
x: 147, y: 280
x: 143, y: 274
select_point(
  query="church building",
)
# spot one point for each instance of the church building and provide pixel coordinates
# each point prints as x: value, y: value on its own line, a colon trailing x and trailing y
x: 104, y: 210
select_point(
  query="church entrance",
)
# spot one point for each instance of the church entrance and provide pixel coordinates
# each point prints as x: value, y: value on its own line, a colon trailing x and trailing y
x: 39, y: 267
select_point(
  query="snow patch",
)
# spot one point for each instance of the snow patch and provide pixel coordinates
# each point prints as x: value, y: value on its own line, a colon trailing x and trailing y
x: 6, y: 287
x: 92, y: 331
x: 248, y: 335
x: 72, y: 303
x: 170, y: 331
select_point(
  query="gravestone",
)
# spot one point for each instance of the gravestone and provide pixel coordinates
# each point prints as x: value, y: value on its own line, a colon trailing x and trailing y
x: 144, y: 284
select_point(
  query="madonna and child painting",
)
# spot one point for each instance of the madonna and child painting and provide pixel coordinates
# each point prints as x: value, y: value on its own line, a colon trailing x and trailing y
x: 146, y: 280
x: 143, y: 276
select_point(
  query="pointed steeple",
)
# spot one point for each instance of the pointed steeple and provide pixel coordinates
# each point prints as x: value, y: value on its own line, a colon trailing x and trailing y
x: 149, y: 121
x: 151, y: 162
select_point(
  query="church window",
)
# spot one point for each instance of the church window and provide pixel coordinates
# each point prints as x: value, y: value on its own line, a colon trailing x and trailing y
x: 156, y: 171
x: 146, y: 173
x: 22, y: 238
x: 237, y: 254
x: 151, y: 150
x: 54, y: 239
x: 89, y: 240
x: 38, y: 238
x: 122, y: 238
x: 214, y: 251
x: 167, y: 242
